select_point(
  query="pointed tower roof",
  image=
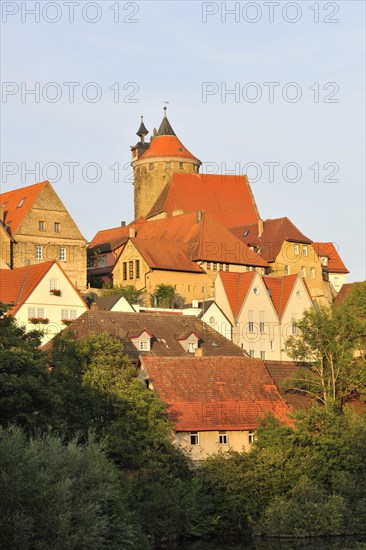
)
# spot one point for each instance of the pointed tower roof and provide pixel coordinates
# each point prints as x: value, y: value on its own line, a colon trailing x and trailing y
x: 142, y: 131
x: 165, y: 128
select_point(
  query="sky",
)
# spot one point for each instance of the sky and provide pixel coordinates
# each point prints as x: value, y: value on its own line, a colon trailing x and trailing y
x: 271, y: 89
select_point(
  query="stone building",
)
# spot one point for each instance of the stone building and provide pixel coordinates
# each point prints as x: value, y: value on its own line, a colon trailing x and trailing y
x: 41, y: 229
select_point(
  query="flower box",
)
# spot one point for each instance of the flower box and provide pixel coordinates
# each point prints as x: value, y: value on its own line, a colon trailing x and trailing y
x: 38, y: 320
x: 66, y: 321
x: 55, y: 291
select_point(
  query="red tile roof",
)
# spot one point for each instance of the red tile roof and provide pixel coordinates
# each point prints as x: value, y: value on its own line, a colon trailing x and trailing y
x: 115, y: 237
x: 275, y: 232
x: 206, y: 239
x: 280, y: 289
x: 226, y: 198
x: 215, y: 393
x: 14, y: 209
x: 335, y: 264
x: 236, y: 287
x: 17, y: 284
x: 167, y: 146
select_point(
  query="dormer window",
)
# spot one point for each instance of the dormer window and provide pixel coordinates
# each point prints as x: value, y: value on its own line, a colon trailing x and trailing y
x: 142, y: 340
x: 190, y: 342
x: 324, y: 261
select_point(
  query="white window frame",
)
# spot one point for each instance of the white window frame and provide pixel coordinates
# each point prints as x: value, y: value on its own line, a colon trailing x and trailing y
x: 251, y: 437
x: 194, y: 438
x: 39, y: 252
x: 312, y: 272
x: 144, y: 345
x: 303, y: 271
x: 305, y: 250
x: 54, y: 284
x: 223, y: 439
x: 272, y: 345
x: 62, y: 254
x: 296, y: 250
x: 36, y: 313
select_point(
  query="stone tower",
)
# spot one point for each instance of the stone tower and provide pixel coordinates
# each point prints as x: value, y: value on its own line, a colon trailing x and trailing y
x: 155, y: 162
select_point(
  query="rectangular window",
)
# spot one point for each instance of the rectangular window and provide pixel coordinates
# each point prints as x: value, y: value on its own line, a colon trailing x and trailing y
x: 62, y: 255
x: 54, y: 284
x: 36, y: 312
x: 296, y: 249
x: 251, y: 321
x: 194, y: 438
x: 221, y: 267
x: 226, y: 267
x: 56, y: 227
x: 312, y: 272
x: 130, y: 270
x: 305, y: 250
x: 68, y: 314
x: 262, y: 321
x: 167, y: 165
x: 223, y: 438
x: 293, y: 325
x: 263, y: 355
x: 181, y: 166
x: 41, y: 226
x: 303, y: 271
x: 272, y: 344
x: 287, y: 269
x: 251, y: 437
x: 208, y: 265
x: 251, y: 326
x: 144, y: 345
x: 137, y: 268
x: 21, y: 202
x: 251, y: 353
x: 73, y: 314
x: 39, y: 252
x: 125, y: 271
x: 151, y: 166
x: 214, y: 266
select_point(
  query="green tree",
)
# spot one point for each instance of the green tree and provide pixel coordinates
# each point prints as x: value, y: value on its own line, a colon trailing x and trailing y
x: 327, y: 338
x: 165, y: 296
x: 26, y: 396
x: 130, y: 292
x: 61, y: 497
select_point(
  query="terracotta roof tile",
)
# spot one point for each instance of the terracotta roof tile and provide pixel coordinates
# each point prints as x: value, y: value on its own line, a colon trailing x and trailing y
x: 167, y: 146
x: 115, y: 237
x: 166, y: 255
x: 165, y: 329
x: 280, y: 289
x: 226, y: 198
x: 236, y: 287
x: 215, y: 393
x: 17, y: 284
x: 335, y: 264
x: 15, y: 208
x: 275, y: 232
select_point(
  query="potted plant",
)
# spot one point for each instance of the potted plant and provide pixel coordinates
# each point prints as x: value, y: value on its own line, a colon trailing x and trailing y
x: 39, y: 320
x: 55, y: 291
x: 66, y: 321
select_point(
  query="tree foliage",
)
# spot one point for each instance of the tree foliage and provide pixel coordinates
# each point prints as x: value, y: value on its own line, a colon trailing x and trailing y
x: 130, y: 292
x: 328, y: 338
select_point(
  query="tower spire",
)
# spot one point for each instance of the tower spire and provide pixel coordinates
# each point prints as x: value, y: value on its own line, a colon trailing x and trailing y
x: 142, y: 131
x: 165, y: 128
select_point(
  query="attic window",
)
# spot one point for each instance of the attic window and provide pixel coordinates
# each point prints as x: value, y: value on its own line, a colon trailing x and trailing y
x: 246, y: 233
x: 21, y: 202
x: 144, y: 345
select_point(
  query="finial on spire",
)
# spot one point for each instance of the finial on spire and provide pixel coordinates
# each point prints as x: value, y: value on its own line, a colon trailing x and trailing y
x: 142, y: 131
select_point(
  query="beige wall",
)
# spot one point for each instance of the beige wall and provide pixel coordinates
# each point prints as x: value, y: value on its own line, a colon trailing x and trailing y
x: 214, y: 317
x: 337, y: 280
x: 5, y: 248
x: 319, y: 288
x: 52, y: 305
x: 209, y: 443
x: 49, y: 209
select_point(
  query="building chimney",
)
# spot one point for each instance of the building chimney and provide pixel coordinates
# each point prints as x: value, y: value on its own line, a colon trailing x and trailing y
x: 198, y: 352
x: 123, y: 223
x: 132, y: 232
x: 94, y: 307
x: 260, y: 227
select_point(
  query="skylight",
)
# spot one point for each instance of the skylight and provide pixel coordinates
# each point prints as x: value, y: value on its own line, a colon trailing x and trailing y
x: 21, y: 202
x: 246, y: 233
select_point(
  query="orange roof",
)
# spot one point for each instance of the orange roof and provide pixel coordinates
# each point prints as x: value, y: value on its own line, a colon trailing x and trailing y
x: 167, y: 146
x: 167, y: 255
x: 226, y: 198
x: 335, y: 264
x: 16, y: 285
x: 204, y: 239
x: 275, y: 232
x: 215, y: 393
x: 236, y: 287
x: 280, y: 289
x: 18, y: 202
x: 115, y: 237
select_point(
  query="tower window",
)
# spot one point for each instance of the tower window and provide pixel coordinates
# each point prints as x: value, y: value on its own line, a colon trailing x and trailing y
x: 181, y: 166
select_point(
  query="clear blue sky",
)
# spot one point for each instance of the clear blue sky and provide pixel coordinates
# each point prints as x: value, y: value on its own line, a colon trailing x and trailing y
x: 168, y: 53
